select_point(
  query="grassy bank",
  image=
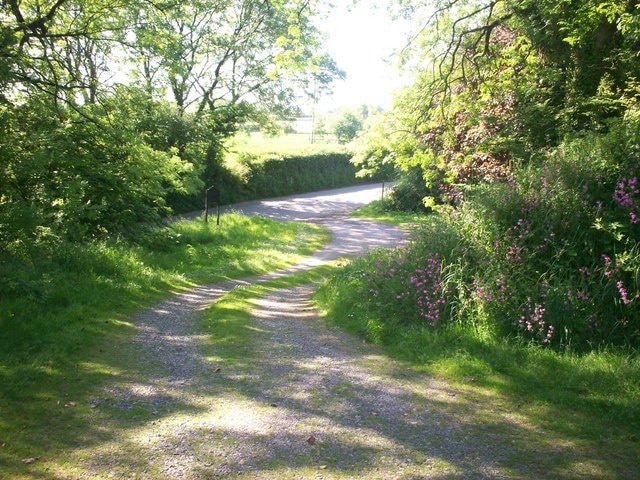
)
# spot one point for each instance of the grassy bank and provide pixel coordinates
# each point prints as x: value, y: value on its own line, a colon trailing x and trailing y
x: 586, y: 402
x: 64, y: 316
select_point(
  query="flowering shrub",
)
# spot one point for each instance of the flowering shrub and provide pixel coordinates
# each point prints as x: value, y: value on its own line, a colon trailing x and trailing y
x: 627, y: 196
x: 427, y: 288
x: 550, y: 255
x: 532, y: 322
x: 415, y: 287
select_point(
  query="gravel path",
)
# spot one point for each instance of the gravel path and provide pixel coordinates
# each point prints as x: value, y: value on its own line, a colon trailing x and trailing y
x: 310, y: 401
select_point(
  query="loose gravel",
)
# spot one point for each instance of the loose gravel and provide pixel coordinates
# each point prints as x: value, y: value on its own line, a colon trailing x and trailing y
x: 311, y: 401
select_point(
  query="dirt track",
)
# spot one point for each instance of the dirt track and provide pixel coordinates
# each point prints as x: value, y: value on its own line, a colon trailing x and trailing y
x: 309, y: 401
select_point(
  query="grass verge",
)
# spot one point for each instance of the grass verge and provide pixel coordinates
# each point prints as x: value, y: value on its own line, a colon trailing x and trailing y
x: 378, y: 210
x: 64, y: 314
x: 588, y: 401
x: 228, y: 319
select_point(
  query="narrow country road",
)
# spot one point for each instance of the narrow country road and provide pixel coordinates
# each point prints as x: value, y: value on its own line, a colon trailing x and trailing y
x: 307, y: 402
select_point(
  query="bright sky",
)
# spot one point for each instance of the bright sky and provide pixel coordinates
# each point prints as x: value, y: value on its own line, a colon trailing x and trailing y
x: 362, y: 41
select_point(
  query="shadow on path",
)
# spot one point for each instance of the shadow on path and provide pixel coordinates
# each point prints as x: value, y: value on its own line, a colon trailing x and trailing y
x: 304, y: 400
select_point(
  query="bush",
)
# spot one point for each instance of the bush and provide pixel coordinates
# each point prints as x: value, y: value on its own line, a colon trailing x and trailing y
x: 273, y: 175
x: 410, y: 192
x: 551, y: 257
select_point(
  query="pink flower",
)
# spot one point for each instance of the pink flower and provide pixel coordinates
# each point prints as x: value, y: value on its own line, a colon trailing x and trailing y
x: 624, y: 295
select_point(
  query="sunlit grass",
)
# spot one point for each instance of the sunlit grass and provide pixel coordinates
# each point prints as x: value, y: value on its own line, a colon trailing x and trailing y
x: 285, y: 144
x: 377, y: 211
x: 65, y: 322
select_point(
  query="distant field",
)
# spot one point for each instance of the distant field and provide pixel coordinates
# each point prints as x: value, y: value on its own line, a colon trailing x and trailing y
x: 286, y: 144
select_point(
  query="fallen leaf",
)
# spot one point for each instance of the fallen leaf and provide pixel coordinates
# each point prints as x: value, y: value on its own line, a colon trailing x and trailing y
x: 28, y: 461
x: 311, y: 440
x: 323, y: 467
x: 274, y: 405
x: 217, y: 370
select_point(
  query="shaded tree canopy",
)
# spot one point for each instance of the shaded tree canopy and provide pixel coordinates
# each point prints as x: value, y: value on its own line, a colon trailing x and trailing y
x: 496, y: 80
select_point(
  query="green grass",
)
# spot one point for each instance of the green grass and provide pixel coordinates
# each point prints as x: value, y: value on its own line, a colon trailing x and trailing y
x: 287, y: 144
x: 65, y: 319
x: 377, y: 210
x: 589, y: 401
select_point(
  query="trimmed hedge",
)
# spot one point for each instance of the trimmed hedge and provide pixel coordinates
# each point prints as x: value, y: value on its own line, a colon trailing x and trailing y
x: 273, y: 175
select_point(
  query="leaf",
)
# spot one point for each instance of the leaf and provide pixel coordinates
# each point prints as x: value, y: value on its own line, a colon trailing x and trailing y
x: 29, y: 461
x: 311, y: 440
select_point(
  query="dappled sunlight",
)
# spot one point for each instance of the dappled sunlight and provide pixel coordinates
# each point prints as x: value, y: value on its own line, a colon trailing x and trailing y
x: 313, y: 206
x: 101, y: 368
x: 283, y: 395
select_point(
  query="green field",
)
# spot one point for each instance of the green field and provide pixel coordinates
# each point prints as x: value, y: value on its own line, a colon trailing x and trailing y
x: 259, y: 144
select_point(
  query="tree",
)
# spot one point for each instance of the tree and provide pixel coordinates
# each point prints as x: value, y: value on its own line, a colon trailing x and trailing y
x: 500, y: 79
x: 347, y: 127
x: 201, y: 68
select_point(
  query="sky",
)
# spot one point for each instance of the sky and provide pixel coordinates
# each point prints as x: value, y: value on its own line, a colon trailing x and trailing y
x: 362, y: 40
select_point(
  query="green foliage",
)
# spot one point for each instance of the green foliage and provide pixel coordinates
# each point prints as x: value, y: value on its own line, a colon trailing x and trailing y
x: 83, y: 155
x: 410, y: 192
x: 347, y: 127
x: 550, y: 257
x: 522, y: 131
x: 276, y: 175
x: 501, y: 80
x: 87, y: 173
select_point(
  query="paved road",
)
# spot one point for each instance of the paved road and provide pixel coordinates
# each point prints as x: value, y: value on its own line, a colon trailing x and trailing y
x: 314, y: 206
x: 351, y: 236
